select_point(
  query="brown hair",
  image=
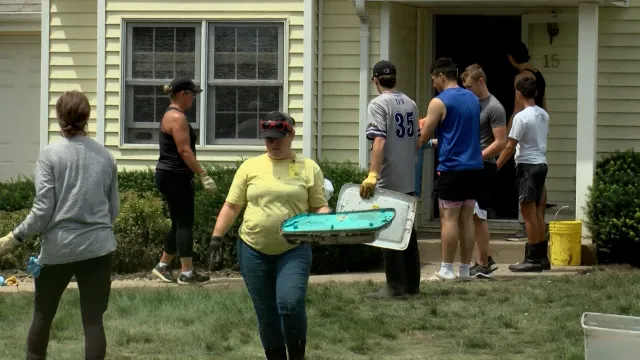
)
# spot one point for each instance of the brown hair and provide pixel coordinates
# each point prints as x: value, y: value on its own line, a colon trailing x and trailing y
x: 73, y: 110
x: 474, y: 72
x: 387, y: 81
x: 527, y: 87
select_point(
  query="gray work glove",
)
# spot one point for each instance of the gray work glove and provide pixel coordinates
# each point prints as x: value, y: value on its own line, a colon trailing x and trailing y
x: 213, y: 253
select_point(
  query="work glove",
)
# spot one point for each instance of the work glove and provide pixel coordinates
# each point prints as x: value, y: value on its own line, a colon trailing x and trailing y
x: 368, y: 185
x: 7, y: 243
x: 208, y: 183
x: 213, y: 253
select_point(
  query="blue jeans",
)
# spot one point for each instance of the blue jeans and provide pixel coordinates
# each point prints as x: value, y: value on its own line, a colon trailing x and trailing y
x: 277, y: 285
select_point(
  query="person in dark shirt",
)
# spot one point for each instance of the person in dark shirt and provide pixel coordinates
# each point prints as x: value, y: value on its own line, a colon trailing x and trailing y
x: 175, y: 170
x: 519, y: 58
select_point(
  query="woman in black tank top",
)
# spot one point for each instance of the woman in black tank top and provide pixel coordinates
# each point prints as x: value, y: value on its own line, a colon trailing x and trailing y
x: 519, y: 57
x: 175, y: 169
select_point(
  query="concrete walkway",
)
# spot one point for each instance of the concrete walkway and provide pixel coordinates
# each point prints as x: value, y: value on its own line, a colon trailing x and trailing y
x: 503, y: 273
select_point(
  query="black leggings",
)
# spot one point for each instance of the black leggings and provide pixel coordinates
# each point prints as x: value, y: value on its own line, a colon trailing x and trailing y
x: 94, y: 283
x: 178, y: 192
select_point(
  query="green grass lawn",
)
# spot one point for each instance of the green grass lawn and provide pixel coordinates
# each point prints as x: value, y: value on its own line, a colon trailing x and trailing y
x: 515, y: 319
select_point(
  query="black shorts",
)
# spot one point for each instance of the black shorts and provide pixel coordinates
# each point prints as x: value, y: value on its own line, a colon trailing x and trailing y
x: 459, y: 185
x: 488, y: 181
x: 530, y: 179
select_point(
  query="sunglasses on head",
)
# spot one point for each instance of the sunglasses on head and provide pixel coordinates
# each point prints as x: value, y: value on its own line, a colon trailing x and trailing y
x: 277, y: 125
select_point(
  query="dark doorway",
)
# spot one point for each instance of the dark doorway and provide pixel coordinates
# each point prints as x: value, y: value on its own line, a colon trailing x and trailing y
x: 470, y: 39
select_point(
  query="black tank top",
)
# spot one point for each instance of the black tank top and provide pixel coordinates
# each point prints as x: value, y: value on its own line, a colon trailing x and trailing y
x: 170, y: 159
x: 541, y: 84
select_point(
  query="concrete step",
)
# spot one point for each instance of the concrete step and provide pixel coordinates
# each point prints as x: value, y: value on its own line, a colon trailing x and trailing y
x: 494, y: 234
x: 506, y: 252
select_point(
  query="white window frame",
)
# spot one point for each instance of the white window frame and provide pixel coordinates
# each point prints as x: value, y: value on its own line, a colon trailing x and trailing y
x: 280, y: 82
x: 202, y: 71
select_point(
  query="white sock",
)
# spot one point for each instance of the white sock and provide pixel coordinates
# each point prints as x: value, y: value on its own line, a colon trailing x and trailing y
x: 187, y: 273
x: 446, y: 270
x: 163, y: 264
x: 464, y: 270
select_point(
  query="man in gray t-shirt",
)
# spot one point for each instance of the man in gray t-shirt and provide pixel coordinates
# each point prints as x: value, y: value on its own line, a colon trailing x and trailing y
x: 493, y: 139
x: 392, y: 126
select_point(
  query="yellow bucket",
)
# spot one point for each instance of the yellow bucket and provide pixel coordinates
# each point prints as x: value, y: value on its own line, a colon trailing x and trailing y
x: 565, y: 242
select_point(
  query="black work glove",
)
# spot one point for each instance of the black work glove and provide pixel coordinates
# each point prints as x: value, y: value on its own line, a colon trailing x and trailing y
x: 213, y: 253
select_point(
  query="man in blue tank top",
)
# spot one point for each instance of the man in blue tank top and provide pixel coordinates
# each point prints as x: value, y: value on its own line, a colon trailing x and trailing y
x: 455, y: 117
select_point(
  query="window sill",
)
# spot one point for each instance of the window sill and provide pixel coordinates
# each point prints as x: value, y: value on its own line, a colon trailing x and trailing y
x: 225, y: 148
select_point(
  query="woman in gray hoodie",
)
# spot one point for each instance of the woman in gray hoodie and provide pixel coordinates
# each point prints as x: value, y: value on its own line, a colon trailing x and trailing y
x: 74, y: 209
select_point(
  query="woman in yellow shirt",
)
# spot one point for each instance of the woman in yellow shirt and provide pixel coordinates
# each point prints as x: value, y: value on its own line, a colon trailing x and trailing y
x: 273, y: 187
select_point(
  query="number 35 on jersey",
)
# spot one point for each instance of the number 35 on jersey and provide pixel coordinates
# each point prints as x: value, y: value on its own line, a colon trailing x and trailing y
x: 405, y: 124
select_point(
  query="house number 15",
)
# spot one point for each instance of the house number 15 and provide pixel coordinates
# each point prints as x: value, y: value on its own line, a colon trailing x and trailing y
x: 551, y: 61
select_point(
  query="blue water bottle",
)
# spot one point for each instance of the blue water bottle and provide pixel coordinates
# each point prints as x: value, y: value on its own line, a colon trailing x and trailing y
x: 33, y: 267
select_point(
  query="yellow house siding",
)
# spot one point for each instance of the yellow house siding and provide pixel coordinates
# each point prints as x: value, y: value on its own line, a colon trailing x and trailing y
x: 618, y: 127
x: 402, y: 46
x: 341, y: 76
x: 196, y: 10
x: 314, y: 128
x: 72, y: 55
x: 561, y: 95
x: 619, y: 79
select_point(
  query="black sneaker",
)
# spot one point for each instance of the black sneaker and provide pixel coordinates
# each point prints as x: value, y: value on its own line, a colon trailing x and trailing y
x: 492, y: 264
x: 479, y: 271
x: 195, y: 278
x: 163, y: 273
x: 519, y: 235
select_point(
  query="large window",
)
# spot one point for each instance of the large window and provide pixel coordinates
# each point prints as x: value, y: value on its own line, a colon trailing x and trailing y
x: 242, y: 71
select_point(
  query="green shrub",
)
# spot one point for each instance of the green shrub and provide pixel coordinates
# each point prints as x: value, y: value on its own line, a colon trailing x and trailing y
x: 19, y: 257
x: 343, y: 258
x: 139, y: 230
x: 613, y: 208
x: 17, y: 194
x: 143, y: 222
x: 140, y: 181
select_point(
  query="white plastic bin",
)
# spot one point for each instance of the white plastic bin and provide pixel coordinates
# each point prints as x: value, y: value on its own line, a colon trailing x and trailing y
x: 396, y: 236
x: 611, y: 337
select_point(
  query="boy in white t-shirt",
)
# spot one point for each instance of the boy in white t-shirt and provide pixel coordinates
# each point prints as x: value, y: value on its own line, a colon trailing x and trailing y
x: 528, y: 138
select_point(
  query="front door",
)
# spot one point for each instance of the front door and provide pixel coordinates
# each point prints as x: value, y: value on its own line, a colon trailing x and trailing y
x: 470, y: 39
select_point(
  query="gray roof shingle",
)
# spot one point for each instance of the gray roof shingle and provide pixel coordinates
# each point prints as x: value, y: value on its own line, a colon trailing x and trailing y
x: 20, y: 6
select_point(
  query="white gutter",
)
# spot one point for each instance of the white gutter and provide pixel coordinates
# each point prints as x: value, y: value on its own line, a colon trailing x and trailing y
x: 44, y: 74
x: 20, y: 16
x: 307, y: 78
x: 101, y: 71
x: 20, y: 22
x: 363, y: 151
x: 319, y: 90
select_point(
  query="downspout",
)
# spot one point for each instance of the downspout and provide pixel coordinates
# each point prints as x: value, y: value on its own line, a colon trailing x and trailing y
x: 319, y: 89
x: 363, y: 151
x: 101, y: 72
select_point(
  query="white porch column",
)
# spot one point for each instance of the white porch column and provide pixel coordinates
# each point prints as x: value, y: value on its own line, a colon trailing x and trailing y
x: 587, y: 105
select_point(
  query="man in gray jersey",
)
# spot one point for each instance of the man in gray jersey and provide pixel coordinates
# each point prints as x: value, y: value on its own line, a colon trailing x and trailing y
x: 392, y: 127
x: 493, y: 139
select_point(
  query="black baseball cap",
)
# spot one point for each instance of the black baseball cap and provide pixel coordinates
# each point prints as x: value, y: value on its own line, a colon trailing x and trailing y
x: 184, y: 84
x: 383, y: 67
x: 276, y: 128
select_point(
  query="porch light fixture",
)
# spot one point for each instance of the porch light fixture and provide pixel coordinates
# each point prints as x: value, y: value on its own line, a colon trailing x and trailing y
x: 553, y: 30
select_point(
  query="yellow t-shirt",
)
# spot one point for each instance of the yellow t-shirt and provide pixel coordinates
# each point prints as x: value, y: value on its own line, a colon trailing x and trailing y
x: 274, y: 190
